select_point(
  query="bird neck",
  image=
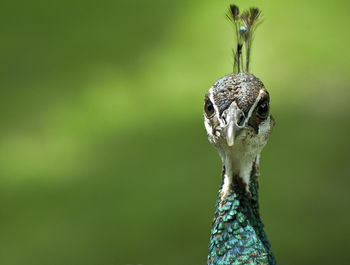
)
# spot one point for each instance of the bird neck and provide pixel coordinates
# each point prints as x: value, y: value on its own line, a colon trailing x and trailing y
x: 237, y: 233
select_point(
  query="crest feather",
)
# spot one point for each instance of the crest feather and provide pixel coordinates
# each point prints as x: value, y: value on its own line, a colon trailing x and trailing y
x: 245, y: 25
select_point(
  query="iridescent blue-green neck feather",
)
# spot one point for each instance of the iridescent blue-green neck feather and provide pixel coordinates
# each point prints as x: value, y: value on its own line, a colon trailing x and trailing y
x: 237, y: 234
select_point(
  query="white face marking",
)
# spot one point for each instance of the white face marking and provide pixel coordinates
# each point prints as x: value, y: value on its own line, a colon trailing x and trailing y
x: 253, y: 107
x: 211, y: 97
x: 207, y: 124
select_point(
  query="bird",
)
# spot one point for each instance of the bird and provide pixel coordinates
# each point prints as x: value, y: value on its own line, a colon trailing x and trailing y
x: 238, y: 123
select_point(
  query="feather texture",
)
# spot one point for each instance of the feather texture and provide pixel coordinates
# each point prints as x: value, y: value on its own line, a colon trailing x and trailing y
x: 237, y: 235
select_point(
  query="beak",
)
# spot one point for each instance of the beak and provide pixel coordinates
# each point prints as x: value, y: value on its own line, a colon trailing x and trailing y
x: 233, y: 116
x: 232, y: 132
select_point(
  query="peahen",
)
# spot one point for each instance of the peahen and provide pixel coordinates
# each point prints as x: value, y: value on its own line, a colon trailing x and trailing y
x: 238, y: 124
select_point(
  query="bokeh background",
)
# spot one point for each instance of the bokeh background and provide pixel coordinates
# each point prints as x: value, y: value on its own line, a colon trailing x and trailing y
x: 103, y: 154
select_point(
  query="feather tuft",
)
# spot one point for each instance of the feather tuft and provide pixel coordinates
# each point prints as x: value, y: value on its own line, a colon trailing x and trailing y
x: 245, y: 25
x: 235, y: 12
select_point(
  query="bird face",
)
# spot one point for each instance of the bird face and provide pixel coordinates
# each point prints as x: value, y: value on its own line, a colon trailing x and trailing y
x: 237, y: 117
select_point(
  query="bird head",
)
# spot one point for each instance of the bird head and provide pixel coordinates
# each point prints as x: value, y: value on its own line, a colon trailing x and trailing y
x: 237, y: 107
x: 238, y: 121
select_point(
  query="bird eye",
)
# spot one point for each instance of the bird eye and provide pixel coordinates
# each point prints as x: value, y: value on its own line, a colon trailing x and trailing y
x: 208, y: 108
x: 263, y: 110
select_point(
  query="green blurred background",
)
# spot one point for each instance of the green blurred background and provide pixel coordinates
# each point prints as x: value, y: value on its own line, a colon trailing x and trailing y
x: 103, y: 153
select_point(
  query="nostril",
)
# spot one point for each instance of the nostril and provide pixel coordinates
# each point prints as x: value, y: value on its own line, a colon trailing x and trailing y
x: 240, y: 119
x: 224, y: 119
